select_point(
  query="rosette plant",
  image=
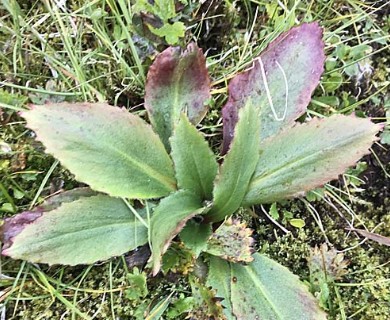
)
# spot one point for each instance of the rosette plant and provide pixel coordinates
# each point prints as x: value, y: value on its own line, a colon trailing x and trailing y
x: 168, y: 166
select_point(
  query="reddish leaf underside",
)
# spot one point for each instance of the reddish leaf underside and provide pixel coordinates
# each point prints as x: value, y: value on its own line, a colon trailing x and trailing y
x: 232, y: 241
x: 177, y: 82
x: 286, y: 73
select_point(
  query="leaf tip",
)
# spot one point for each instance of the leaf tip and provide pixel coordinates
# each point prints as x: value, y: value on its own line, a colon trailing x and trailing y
x: 14, y: 225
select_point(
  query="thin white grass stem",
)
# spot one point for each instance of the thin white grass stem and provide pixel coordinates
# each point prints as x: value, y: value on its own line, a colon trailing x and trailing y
x: 44, y: 181
x: 249, y: 36
x: 350, y: 223
x: 148, y: 217
x: 136, y: 214
x: 317, y: 219
x: 76, y: 290
x: 286, y: 85
x: 274, y: 221
x: 15, y: 86
x: 380, y: 163
x: 268, y: 93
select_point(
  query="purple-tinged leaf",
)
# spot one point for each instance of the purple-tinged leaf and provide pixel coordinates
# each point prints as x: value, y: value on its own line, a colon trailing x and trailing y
x: 177, y: 82
x: 308, y: 155
x: 108, y: 148
x: 79, y: 232
x: 280, y: 81
x: 169, y: 218
x: 14, y: 225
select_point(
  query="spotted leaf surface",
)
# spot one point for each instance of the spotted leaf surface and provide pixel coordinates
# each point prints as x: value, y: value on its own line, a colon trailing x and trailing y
x: 263, y: 289
x: 108, y: 148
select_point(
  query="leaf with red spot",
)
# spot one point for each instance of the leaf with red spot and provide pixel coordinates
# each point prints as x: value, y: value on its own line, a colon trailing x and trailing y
x: 286, y: 74
x: 177, y: 82
x: 263, y: 289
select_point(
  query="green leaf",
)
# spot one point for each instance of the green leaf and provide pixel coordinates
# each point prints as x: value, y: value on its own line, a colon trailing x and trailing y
x: 177, y: 259
x: 207, y: 305
x: 275, y: 293
x: 80, y: 232
x: 159, y: 309
x: 326, y: 101
x: 385, y: 136
x: 164, y: 9
x: 280, y: 81
x: 182, y: 305
x: 262, y: 290
x: 195, y: 236
x: 108, y: 148
x: 177, y: 82
x: 12, y: 101
x: 171, y: 32
x: 297, y: 223
x: 219, y: 278
x: 232, y: 182
x: 307, y: 156
x: 56, y: 201
x: 137, y: 285
x: 7, y: 207
x: 334, y: 81
x: 273, y: 211
x: 195, y: 163
x: 169, y: 218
